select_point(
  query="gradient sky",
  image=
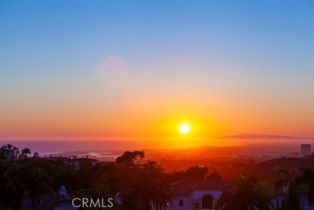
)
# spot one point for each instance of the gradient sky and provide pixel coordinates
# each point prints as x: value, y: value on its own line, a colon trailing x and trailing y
x: 135, y: 69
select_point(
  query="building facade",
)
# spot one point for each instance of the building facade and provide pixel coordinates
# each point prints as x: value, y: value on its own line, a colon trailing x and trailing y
x: 203, y: 194
x: 195, y: 194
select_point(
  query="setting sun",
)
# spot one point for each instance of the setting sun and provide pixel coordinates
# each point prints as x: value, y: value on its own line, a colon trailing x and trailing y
x: 184, y: 128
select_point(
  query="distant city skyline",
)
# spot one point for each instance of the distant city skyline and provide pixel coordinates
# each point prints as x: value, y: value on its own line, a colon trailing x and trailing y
x: 137, y: 69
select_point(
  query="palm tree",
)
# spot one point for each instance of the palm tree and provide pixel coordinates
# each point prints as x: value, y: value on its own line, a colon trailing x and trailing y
x: 245, y: 194
x: 24, y: 152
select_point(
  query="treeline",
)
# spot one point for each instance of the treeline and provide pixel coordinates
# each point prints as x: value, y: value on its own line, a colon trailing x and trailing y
x: 140, y: 186
x: 139, y: 183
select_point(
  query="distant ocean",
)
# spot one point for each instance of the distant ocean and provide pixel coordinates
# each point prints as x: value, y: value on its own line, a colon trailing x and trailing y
x: 70, y: 146
x: 110, y: 149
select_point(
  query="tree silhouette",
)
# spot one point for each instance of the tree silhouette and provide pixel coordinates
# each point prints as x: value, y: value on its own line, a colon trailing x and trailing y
x: 11, y: 190
x: 37, y: 183
x: 245, y: 194
x: 146, y: 188
x: 305, y: 179
x: 9, y: 151
x: 25, y: 152
x: 196, y: 172
x: 128, y: 158
x: 143, y: 186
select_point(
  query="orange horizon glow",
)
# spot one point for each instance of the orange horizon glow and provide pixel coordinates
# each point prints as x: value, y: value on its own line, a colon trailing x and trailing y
x: 147, y: 121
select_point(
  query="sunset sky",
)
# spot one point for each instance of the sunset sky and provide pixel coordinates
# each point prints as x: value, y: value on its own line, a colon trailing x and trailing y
x: 139, y: 69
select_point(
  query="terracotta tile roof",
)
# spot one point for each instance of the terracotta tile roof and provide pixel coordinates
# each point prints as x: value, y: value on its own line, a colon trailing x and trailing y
x: 208, y: 183
x: 186, y: 186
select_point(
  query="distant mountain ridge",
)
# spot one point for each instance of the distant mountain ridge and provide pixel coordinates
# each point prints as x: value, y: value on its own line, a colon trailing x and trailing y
x: 264, y: 136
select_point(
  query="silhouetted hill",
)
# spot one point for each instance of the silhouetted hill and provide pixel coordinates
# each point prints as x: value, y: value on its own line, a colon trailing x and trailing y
x: 264, y: 136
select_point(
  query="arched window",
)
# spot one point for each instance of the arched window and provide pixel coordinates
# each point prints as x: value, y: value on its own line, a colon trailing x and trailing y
x: 181, y: 204
x: 207, y: 202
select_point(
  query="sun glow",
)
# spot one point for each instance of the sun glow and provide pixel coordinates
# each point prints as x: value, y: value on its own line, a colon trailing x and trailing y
x: 184, y: 128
